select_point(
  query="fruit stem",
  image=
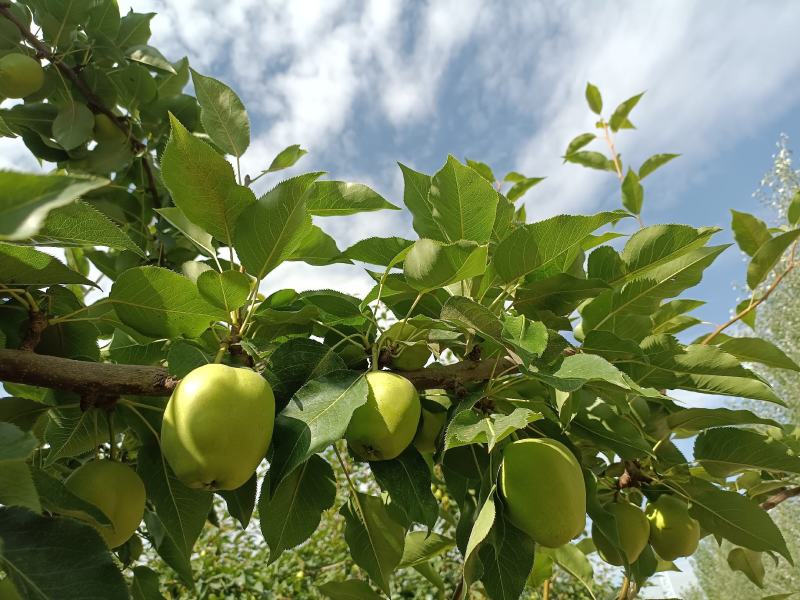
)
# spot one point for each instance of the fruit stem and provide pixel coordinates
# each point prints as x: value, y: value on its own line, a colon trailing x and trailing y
x: 223, y: 348
x: 546, y: 590
x: 626, y: 584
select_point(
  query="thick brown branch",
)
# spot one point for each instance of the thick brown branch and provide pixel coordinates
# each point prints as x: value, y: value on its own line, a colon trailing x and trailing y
x: 781, y: 496
x: 108, y: 379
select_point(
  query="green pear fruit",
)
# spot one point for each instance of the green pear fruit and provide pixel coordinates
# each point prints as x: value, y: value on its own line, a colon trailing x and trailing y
x: 432, y: 421
x: 217, y: 426
x: 383, y: 427
x: 105, y: 130
x: 407, y: 357
x: 116, y: 490
x: 20, y: 75
x: 673, y: 533
x: 542, y: 483
x: 633, y: 530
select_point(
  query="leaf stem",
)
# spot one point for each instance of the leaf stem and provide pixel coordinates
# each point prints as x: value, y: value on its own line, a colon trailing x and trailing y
x: 546, y: 590
x: 753, y: 302
x: 626, y: 585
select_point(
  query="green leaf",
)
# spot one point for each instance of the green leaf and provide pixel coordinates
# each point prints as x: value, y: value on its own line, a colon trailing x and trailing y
x: 608, y: 429
x: 472, y: 317
x: 16, y: 484
x: 480, y: 530
x: 15, y: 443
x: 590, y: 159
x: 340, y: 198
x: 653, y: 163
x: 420, y: 547
x: 468, y: 427
x: 25, y: 266
x: 725, y: 450
x: 632, y: 192
x: 507, y: 559
x: 767, y: 256
x: 379, y: 251
x: 80, y: 224
x: 482, y: 169
x: 145, y: 584
x: 417, y: 199
x: 292, y: 514
x: 22, y: 412
x: 202, y: 184
x: 28, y: 198
x: 134, y: 29
x: 197, y: 235
x: 749, y: 232
x: 317, y: 248
x: 699, y: 368
x: 793, y: 212
x: 559, y: 294
x: 296, y: 362
x: 570, y: 558
x: 693, y: 420
x: 748, y: 562
x: 316, y: 417
x: 594, y: 99
x: 270, y: 230
x: 520, y: 188
x: 430, y: 265
x: 184, y: 357
x: 72, y: 431
x: 152, y: 57
x: 73, y: 125
x: 528, y: 338
x: 375, y: 540
x: 222, y: 113
x: 181, y: 511
x: 620, y: 116
x: 57, y: 558
x: 160, y: 303
x: 228, y: 290
x: 760, y: 351
x: 463, y: 203
x: 547, y: 247
x: 407, y: 480
x: 242, y: 501
x: 579, y: 142
x: 351, y: 589
x: 56, y: 498
x: 732, y: 516
x: 286, y: 158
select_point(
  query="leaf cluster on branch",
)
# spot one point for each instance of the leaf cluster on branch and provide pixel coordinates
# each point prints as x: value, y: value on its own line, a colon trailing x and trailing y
x: 490, y: 354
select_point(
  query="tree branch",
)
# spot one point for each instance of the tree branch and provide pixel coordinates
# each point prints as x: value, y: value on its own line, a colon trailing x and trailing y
x: 109, y: 379
x: 781, y: 496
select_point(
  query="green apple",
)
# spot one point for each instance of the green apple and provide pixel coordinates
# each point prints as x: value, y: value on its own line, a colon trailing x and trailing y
x: 432, y: 421
x: 406, y: 357
x: 217, y: 426
x: 673, y: 533
x: 383, y: 427
x: 116, y: 490
x: 20, y: 75
x: 542, y: 483
x: 633, y: 530
x: 106, y: 131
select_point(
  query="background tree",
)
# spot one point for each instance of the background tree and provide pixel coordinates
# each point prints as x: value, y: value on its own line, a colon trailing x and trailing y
x: 779, y: 322
x: 525, y: 388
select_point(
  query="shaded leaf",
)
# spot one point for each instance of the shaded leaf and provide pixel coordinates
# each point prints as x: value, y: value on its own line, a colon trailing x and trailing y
x: 407, y: 480
x: 339, y: 198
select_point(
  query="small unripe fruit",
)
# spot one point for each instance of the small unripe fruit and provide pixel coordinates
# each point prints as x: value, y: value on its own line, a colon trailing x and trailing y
x: 633, y: 530
x: 116, y: 490
x: 105, y: 130
x: 542, y: 483
x: 673, y: 533
x: 432, y: 422
x: 407, y: 357
x: 20, y: 75
x: 383, y: 427
x: 217, y: 426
